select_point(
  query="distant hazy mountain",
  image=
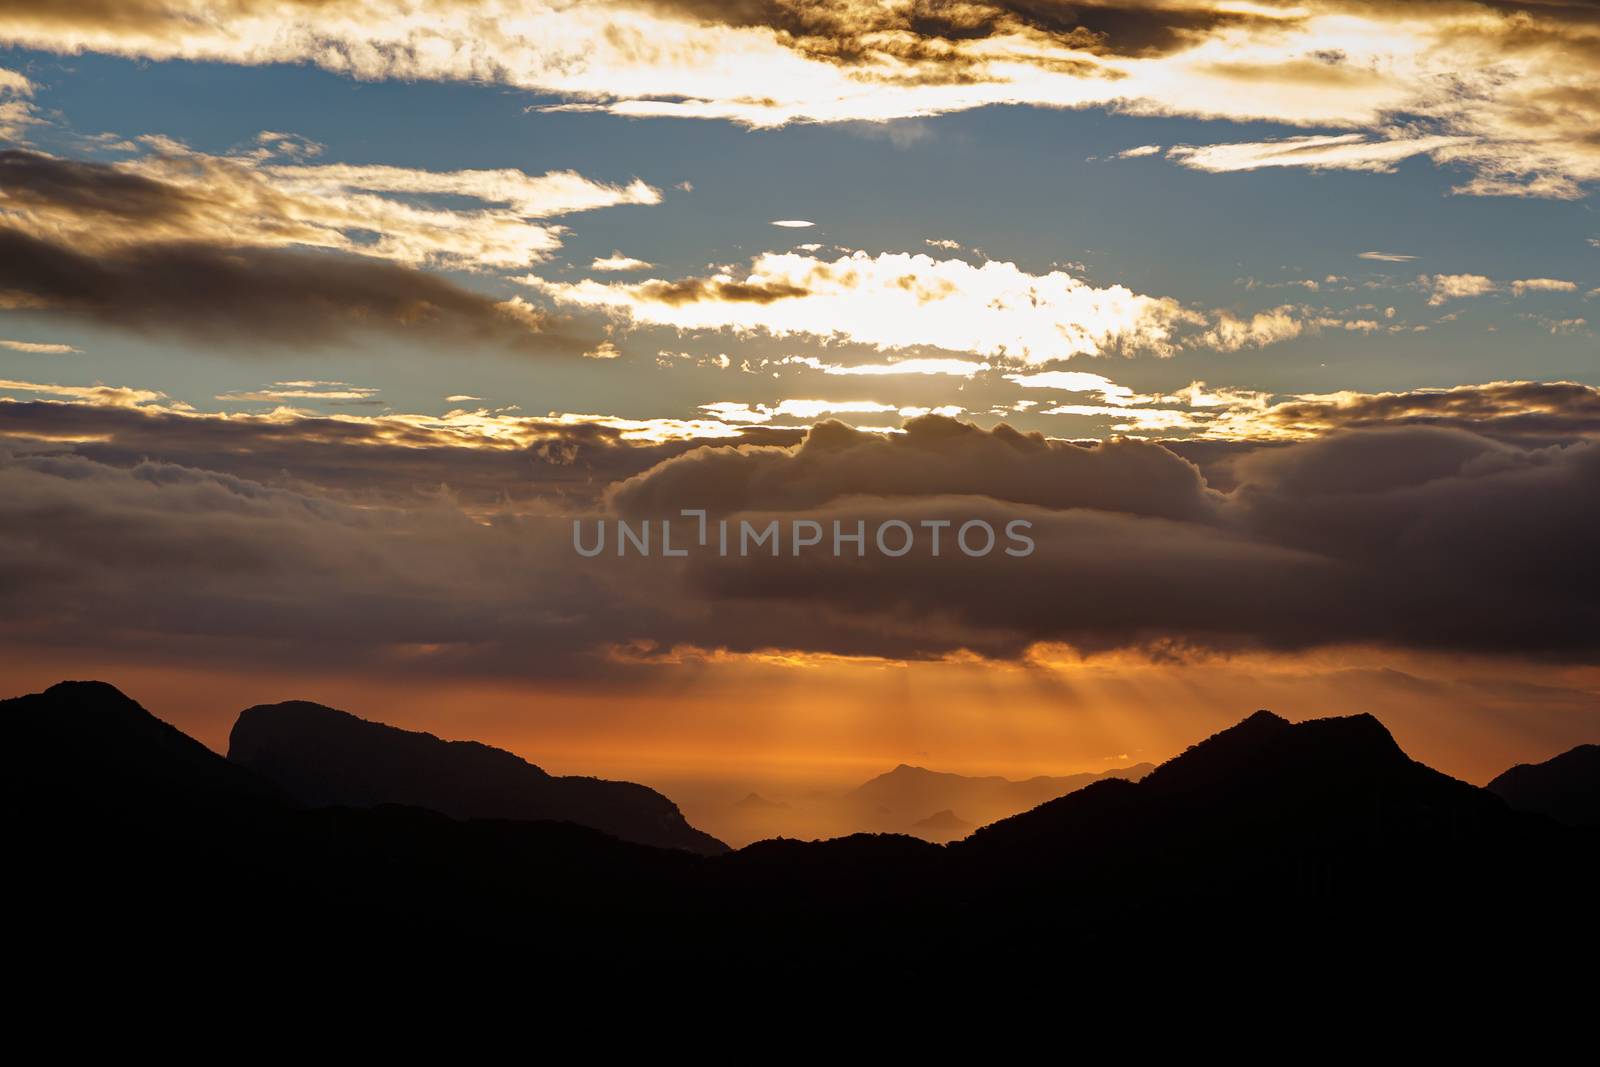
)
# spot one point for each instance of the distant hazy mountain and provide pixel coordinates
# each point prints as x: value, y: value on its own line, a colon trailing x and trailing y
x: 909, y: 794
x: 1566, y: 788
x: 901, y: 801
x: 942, y: 826
x: 324, y: 757
x: 755, y: 802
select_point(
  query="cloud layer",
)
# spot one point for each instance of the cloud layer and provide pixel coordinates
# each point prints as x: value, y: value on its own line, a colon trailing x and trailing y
x: 1504, y: 88
x: 251, y: 247
x: 382, y: 544
x: 898, y: 300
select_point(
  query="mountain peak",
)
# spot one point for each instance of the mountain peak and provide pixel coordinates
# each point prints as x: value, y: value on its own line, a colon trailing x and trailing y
x: 90, y: 738
x: 101, y: 701
x: 756, y: 802
x: 942, y: 826
x: 1336, y: 746
x: 88, y: 689
x: 330, y: 758
x: 1565, y: 788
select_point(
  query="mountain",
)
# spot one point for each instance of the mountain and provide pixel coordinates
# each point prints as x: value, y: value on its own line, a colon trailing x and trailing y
x: 755, y: 802
x: 892, y: 803
x: 1320, y: 784
x: 942, y: 826
x: 1315, y: 848
x: 86, y: 744
x: 1269, y: 823
x: 323, y: 757
x: 126, y: 838
x: 908, y: 792
x: 1566, y: 788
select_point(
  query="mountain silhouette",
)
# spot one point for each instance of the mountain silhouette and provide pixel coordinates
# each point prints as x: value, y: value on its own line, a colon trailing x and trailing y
x: 86, y: 744
x: 895, y: 802
x: 323, y: 757
x: 1566, y: 788
x: 757, y: 803
x: 942, y: 826
x: 1317, y: 843
x: 910, y: 792
x: 1318, y: 784
x: 1269, y: 821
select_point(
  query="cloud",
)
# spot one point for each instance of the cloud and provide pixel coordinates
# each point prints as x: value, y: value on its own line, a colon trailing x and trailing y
x: 17, y: 113
x: 14, y: 84
x: 279, y: 392
x: 1525, y: 413
x: 1424, y: 537
x: 793, y: 224
x: 1077, y: 382
x: 1418, y: 537
x: 175, y: 194
x: 1543, y: 285
x: 935, y: 456
x: 1447, y: 287
x: 1504, y: 89
x: 807, y: 410
x: 108, y: 395
x: 1529, y: 413
x: 896, y: 300
x: 1231, y: 333
x: 251, y: 296
x: 247, y: 248
x: 487, y: 462
x: 1132, y: 420
x: 1139, y: 152
x: 1352, y: 151
x: 616, y: 261
x: 38, y: 347
x: 934, y: 365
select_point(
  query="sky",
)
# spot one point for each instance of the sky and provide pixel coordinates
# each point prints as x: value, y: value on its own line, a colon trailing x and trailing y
x: 322, y: 322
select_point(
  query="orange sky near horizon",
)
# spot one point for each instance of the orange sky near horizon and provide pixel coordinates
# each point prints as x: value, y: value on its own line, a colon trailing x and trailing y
x: 740, y: 724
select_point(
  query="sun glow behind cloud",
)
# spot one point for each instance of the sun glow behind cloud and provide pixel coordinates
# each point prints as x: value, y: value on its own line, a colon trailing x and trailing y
x: 898, y: 300
x: 1500, y: 92
x: 901, y: 342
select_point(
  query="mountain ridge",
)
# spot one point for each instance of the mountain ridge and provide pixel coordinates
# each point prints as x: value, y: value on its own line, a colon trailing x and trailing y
x: 1306, y: 840
x: 1565, y: 787
x: 326, y: 757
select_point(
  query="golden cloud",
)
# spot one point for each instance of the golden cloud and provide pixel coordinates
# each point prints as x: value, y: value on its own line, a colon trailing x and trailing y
x: 898, y: 300
x: 1508, y: 89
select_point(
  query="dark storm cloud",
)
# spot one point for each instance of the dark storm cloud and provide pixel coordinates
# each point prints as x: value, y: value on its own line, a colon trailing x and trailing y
x: 364, y: 460
x: 1531, y: 412
x: 97, y: 191
x: 209, y: 248
x: 935, y: 456
x: 694, y: 290
x: 172, y: 559
x: 1419, y: 537
x: 180, y: 564
x: 240, y: 296
x: 1416, y: 537
x: 853, y: 31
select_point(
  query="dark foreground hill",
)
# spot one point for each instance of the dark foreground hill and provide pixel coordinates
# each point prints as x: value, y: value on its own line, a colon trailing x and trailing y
x: 1566, y: 788
x: 322, y: 757
x: 1319, y: 843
